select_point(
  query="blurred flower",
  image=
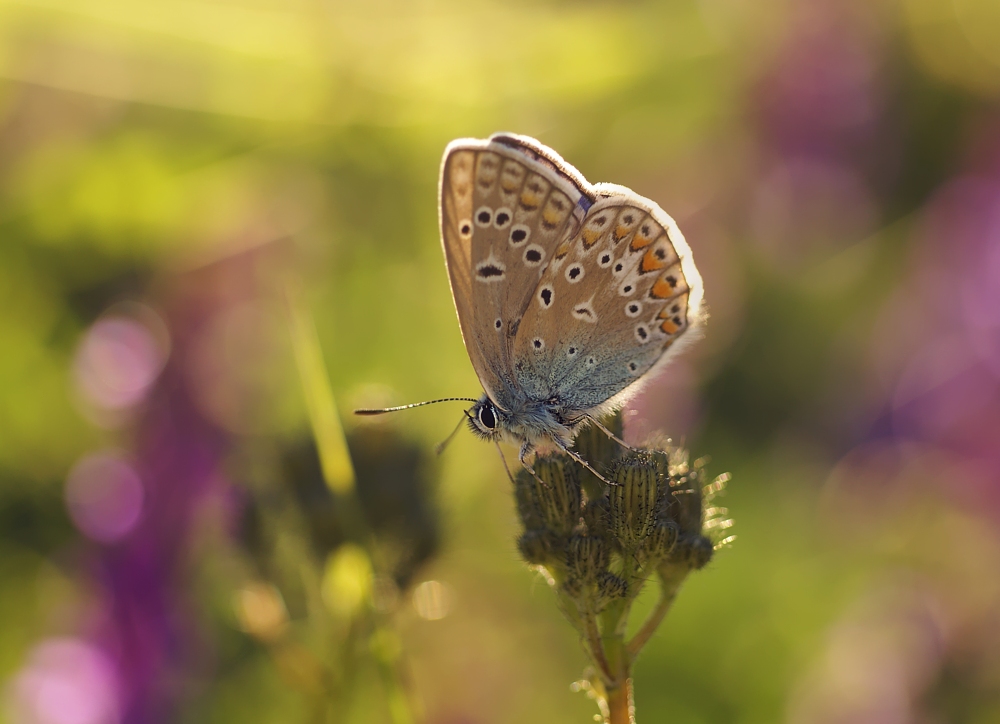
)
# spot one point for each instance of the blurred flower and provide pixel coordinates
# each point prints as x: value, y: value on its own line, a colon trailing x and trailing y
x: 260, y: 611
x: 878, y: 660
x: 65, y: 681
x: 347, y: 581
x: 921, y: 644
x: 395, y: 492
x: 432, y: 600
x: 821, y: 110
x: 803, y: 208
x: 822, y: 94
x: 175, y: 460
x: 937, y: 342
x: 119, y: 359
x: 104, y: 495
x: 980, y: 296
x: 913, y: 647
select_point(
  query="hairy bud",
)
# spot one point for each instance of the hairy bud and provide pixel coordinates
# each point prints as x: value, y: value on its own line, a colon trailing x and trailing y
x: 587, y: 556
x: 693, y: 551
x: 596, y: 516
x: 662, y: 540
x: 633, y: 502
x: 540, y: 547
x: 610, y: 586
x: 553, y: 502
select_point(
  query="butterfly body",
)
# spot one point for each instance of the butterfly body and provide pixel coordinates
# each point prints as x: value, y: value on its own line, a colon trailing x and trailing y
x: 569, y: 295
x: 533, y: 421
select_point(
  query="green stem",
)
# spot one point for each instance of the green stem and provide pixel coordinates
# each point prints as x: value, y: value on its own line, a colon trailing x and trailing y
x: 671, y: 578
x: 596, y: 646
x: 621, y: 709
x: 617, y: 683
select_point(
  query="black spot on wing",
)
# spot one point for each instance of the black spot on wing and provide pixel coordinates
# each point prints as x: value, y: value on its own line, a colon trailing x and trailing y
x: 489, y: 271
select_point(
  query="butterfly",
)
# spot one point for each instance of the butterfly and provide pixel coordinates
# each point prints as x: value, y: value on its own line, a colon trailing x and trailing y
x: 570, y: 296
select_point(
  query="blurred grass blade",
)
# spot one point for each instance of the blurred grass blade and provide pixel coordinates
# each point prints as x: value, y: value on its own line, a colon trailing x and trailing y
x: 327, y: 430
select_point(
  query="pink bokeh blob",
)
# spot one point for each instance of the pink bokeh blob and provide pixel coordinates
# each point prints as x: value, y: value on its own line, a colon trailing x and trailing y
x: 65, y: 681
x: 119, y: 359
x: 104, y: 495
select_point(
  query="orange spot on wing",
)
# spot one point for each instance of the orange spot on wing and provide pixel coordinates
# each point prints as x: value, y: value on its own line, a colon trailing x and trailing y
x: 669, y: 327
x: 651, y: 262
x: 661, y: 290
x: 665, y: 287
x: 562, y: 251
x: 639, y: 242
x: 620, y: 232
x: 551, y: 217
x: 590, y: 237
x: 530, y: 200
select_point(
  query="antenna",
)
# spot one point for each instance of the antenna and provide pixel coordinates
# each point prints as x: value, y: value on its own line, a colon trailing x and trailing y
x: 383, y: 410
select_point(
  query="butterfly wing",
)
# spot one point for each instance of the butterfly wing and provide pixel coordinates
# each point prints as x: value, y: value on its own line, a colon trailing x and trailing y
x: 618, y: 296
x: 505, y: 204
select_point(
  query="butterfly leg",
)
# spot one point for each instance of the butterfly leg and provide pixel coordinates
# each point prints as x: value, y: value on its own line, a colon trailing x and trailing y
x: 526, y: 448
x: 606, y: 431
x: 523, y: 454
x: 576, y: 456
x: 504, y: 461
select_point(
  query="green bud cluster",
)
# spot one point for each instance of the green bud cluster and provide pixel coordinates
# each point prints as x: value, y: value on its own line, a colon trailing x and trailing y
x: 654, y: 514
x: 600, y: 543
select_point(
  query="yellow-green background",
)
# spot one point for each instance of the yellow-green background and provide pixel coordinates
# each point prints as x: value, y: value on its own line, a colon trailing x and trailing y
x: 142, y: 140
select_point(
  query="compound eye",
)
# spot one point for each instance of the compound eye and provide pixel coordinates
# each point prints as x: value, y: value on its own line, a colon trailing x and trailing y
x: 487, y: 417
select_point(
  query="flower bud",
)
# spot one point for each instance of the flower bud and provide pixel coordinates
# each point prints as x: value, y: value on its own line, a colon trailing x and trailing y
x: 661, y: 540
x: 596, y: 516
x: 540, y: 547
x: 552, y: 504
x: 633, y: 502
x: 681, y: 497
x: 610, y: 586
x: 693, y: 551
x: 586, y: 557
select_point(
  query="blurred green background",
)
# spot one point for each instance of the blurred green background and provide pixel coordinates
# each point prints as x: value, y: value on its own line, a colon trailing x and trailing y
x: 171, y: 171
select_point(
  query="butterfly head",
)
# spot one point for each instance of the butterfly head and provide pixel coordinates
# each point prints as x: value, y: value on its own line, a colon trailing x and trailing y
x: 486, y: 420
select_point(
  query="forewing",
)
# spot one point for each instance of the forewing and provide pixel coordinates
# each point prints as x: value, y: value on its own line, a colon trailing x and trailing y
x: 617, y: 296
x: 505, y: 205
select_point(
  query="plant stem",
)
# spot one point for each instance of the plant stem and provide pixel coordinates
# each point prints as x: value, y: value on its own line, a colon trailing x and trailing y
x: 596, y: 646
x: 620, y: 707
x: 671, y: 578
x: 618, y: 684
